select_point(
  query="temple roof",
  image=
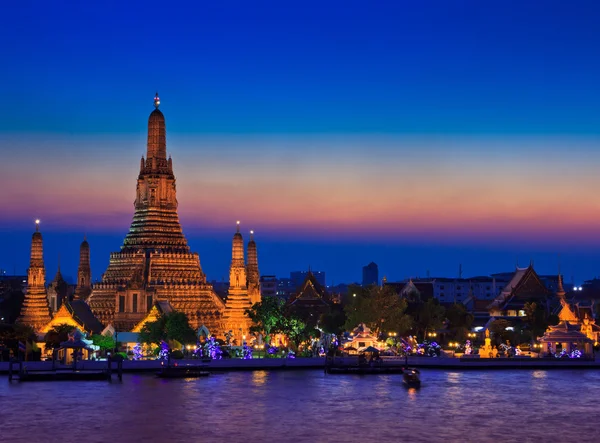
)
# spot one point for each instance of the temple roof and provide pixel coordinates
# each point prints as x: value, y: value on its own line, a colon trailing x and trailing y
x: 565, y: 332
x: 158, y: 309
x: 524, y: 284
x: 309, y: 292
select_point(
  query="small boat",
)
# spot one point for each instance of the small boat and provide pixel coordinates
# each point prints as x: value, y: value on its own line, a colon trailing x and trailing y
x: 411, y: 378
x: 182, y: 372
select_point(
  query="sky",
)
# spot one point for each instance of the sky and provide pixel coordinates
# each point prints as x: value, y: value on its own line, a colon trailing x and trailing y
x: 418, y: 135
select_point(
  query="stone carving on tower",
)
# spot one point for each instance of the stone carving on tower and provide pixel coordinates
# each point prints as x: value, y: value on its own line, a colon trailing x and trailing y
x: 35, y: 311
x: 84, y: 272
x: 155, y: 262
x: 234, y: 317
x: 253, y: 273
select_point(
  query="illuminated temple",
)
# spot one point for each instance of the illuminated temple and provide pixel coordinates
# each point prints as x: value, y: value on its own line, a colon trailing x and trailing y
x: 35, y: 310
x: 155, y: 262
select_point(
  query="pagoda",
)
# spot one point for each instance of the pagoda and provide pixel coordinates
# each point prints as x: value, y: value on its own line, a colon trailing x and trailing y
x: 35, y: 311
x: 235, y: 319
x: 155, y: 262
x: 84, y: 272
x: 253, y: 273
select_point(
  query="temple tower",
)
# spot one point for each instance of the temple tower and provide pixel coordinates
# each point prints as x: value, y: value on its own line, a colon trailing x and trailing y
x: 35, y: 310
x: 234, y: 317
x: 58, y: 291
x: 253, y: 273
x: 155, y: 262
x: 84, y: 272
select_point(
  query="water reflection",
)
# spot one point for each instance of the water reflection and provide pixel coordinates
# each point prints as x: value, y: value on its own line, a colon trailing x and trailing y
x: 307, y: 406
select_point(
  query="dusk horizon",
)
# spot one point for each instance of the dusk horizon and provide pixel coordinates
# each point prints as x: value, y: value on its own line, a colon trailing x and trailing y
x: 391, y: 138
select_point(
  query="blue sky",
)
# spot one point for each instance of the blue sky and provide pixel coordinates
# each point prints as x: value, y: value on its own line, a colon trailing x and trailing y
x: 346, y: 107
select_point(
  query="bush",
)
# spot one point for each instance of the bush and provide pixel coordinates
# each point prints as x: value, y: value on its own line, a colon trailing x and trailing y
x: 177, y: 355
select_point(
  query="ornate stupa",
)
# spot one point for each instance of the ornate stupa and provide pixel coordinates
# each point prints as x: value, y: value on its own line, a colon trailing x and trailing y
x: 155, y: 262
x: 84, y: 272
x: 35, y: 311
x: 253, y: 273
x: 234, y: 317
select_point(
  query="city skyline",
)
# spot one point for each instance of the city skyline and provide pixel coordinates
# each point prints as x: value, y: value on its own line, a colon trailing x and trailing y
x: 390, y: 138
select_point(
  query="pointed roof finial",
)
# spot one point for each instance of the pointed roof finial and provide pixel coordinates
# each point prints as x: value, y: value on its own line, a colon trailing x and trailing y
x: 251, y: 235
x: 59, y: 262
x: 37, y: 225
x: 156, y: 101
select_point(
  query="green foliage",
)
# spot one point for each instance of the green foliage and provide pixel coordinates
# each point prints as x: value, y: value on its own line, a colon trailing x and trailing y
x: 296, y: 330
x: 105, y: 342
x: 174, y: 326
x: 153, y: 332
x: 333, y: 321
x: 177, y: 354
x: 430, y: 317
x: 267, y: 316
x: 380, y: 308
x: 500, y: 334
x: 22, y: 332
x: 459, y: 321
x: 536, y: 320
x: 58, y: 334
x: 178, y: 328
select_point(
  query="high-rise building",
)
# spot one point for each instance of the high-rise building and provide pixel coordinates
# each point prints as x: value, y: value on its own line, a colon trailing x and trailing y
x: 155, y: 262
x: 35, y: 311
x: 370, y: 274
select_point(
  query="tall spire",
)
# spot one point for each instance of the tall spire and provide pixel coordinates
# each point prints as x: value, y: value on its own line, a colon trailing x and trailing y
x: 35, y: 310
x: 84, y: 272
x: 157, y: 136
x: 237, y: 249
x: 253, y: 273
x: 560, y: 291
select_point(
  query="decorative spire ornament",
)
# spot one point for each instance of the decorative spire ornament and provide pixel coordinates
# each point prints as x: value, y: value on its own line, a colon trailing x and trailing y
x: 156, y: 101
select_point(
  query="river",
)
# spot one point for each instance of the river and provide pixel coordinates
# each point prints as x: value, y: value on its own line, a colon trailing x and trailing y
x: 307, y: 406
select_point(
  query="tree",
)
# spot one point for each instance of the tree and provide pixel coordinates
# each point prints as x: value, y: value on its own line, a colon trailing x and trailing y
x: 430, y: 316
x: 105, y: 342
x: 23, y: 332
x: 267, y: 316
x: 58, y: 334
x: 500, y: 331
x: 296, y: 330
x: 153, y: 332
x: 173, y: 326
x: 333, y: 321
x: 459, y: 321
x: 178, y: 328
x: 380, y: 308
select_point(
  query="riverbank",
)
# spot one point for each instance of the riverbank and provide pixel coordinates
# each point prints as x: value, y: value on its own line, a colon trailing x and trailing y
x: 319, y: 363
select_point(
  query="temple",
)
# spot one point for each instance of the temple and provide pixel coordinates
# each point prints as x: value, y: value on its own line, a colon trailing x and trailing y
x: 524, y: 286
x: 238, y: 300
x: 35, y: 311
x: 155, y: 262
x: 58, y: 291
x: 84, y: 272
x: 310, y: 301
x: 253, y: 273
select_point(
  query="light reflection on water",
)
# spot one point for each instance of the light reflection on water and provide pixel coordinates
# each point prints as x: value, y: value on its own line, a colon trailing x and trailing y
x: 307, y: 406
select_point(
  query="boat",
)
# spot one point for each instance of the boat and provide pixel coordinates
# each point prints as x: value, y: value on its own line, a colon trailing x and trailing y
x: 183, y: 372
x: 411, y: 378
x: 364, y: 370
